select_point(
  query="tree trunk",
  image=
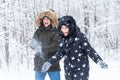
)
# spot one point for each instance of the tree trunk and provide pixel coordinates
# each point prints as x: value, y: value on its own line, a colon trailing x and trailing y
x: 86, y: 18
x: 7, y: 55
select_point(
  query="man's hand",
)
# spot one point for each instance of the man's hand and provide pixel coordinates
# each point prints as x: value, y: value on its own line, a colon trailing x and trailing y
x: 46, y: 66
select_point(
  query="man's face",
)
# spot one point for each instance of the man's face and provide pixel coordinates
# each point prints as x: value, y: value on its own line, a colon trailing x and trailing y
x: 65, y: 30
x: 46, y: 22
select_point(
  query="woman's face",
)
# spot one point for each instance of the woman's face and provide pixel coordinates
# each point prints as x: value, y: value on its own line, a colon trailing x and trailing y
x: 65, y: 30
x: 46, y: 22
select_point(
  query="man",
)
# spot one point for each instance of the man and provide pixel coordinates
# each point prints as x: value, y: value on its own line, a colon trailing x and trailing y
x: 45, y: 42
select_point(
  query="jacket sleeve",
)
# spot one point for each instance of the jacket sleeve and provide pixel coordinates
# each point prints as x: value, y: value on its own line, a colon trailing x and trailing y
x: 58, y: 55
x: 89, y: 50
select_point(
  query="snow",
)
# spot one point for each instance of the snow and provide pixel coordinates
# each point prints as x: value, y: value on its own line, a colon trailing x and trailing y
x: 96, y: 73
x: 13, y: 75
x: 17, y: 28
x: 112, y: 73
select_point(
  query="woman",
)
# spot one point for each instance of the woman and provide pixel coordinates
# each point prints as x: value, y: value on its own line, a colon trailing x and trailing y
x: 45, y: 43
x: 73, y: 45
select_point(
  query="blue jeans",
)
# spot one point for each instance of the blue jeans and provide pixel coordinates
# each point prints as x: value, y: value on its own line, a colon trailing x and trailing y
x: 54, y: 75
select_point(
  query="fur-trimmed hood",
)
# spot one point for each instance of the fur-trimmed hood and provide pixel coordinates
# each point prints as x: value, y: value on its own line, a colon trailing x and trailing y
x: 49, y: 13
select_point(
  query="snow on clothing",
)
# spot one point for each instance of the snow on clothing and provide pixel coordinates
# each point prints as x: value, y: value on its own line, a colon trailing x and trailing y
x: 76, y: 49
x: 47, y: 38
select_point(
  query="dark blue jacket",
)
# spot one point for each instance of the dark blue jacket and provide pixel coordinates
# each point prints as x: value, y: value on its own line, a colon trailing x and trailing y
x: 76, y: 50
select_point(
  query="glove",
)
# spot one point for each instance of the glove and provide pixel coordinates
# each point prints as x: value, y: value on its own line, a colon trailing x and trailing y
x: 38, y: 48
x: 33, y: 43
x: 46, y: 66
x: 36, y: 45
x: 103, y: 64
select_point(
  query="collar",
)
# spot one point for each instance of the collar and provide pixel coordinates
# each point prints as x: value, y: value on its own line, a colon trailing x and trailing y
x: 45, y: 28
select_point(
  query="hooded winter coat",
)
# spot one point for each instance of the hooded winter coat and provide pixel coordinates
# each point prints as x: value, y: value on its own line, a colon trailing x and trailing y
x: 75, y: 48
x: 46, y: 40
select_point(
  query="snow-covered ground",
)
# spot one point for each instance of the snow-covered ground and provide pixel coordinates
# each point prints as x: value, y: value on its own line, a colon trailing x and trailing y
x: 96, y: 73
x: 112, y: 73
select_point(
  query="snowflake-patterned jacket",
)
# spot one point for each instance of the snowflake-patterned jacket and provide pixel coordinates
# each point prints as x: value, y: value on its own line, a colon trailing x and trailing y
x: 76, y: 50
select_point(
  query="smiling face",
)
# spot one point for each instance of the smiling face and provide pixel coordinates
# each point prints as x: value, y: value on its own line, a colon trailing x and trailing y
x: 65, y: 30
x: 46, y: 21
